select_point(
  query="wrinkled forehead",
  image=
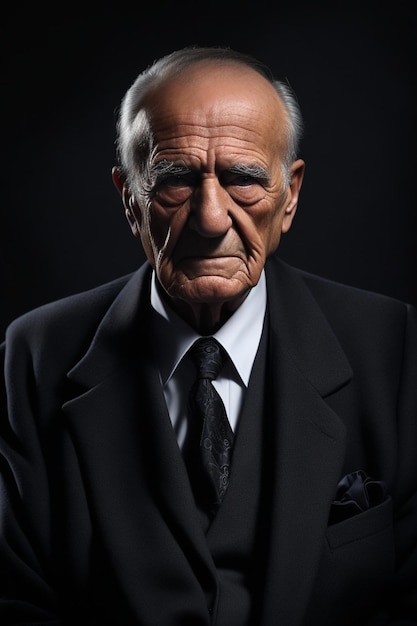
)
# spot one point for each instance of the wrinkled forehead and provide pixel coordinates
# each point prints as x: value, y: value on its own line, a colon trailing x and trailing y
x: 216, y: 94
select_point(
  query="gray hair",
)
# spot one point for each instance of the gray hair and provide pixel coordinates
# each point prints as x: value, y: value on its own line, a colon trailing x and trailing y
x: 134, y: 140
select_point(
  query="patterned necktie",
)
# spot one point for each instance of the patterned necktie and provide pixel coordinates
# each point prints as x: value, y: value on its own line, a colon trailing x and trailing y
x: 209, y: 416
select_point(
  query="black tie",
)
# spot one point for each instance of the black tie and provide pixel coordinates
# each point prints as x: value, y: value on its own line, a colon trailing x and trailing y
x: 208, y: 415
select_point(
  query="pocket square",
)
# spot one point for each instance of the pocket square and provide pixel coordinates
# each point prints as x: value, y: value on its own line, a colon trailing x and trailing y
x: 356, y: 492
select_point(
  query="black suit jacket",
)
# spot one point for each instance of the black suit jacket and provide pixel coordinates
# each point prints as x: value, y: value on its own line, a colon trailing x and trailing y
x: 97, y: 518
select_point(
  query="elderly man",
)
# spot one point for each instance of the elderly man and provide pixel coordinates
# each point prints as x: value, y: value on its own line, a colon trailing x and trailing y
x: 219, y: 438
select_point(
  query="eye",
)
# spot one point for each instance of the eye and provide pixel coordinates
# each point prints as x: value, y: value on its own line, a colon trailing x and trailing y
x: 244, y: 180
x: 238, y: 180
x: 243, y: 176
x: 185, y: 178
x: 245, y: 185
x: 176, y: 180
x: 174, y: 189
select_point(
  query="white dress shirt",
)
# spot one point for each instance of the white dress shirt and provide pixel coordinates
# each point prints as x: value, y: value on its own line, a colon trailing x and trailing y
x: 239, y: 336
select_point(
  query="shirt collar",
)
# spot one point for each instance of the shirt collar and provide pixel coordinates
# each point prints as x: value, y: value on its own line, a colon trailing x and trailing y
x: 239, y: 336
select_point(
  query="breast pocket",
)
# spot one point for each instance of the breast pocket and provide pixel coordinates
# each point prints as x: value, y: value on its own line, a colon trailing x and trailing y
x: 370, y: 528
x: 360, y: 551
x: 358, y: 561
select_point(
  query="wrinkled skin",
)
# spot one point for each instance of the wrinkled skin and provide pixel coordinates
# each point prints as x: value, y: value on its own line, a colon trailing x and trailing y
x: 209, y: 223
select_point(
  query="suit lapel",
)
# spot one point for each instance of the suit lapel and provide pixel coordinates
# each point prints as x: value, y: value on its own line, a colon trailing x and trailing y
x: 132, y: 467
x: 141, y: 501
x: 308, y: 441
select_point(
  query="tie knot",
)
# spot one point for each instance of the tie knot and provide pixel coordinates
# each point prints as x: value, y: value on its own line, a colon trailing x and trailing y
x: 208, y: 357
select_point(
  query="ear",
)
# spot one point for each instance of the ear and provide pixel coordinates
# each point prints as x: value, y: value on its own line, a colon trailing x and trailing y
x: 132, y: 211
x: 297, y: 175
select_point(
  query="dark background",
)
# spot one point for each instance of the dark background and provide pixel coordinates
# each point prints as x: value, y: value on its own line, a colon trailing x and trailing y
x: 67, y: 67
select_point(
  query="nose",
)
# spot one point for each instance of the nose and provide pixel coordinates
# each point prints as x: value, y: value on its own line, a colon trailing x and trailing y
x: 209, y: 215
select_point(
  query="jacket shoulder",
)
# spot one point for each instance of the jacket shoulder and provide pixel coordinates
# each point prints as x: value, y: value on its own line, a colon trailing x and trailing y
x: 99, y: 297
x: 348, y: 298
x: 340, y: 295
x: 72, y: 319
x: 351, y: 312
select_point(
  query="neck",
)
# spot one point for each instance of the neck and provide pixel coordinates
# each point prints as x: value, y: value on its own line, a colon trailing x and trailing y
x: 206, y: 317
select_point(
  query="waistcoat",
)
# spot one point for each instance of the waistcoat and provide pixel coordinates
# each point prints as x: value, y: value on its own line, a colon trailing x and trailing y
x: 234, y: 536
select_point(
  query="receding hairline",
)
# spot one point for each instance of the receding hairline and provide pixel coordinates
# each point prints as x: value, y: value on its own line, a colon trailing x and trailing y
x: 196, y: 70
x: 177, y: 61
x: 132, y: 137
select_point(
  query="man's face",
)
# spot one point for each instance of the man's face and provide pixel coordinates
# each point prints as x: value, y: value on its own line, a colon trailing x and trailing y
x: 217, y: 203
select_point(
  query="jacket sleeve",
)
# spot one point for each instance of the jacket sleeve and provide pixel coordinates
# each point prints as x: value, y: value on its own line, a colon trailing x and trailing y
x: 404, y: 611
x: 26, y: 592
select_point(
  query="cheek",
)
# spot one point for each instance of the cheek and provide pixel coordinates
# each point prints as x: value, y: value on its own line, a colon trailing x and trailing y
x: 274, y: 232
x: 275, y: 222
x: 151, y: 231
x: 265, y: 226
x: 161, y: 229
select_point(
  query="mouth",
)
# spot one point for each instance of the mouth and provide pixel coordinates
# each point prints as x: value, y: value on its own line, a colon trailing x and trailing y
x: 223, y: 265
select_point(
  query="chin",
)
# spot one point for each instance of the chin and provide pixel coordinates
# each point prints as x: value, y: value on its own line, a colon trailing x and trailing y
x: 211, y: 289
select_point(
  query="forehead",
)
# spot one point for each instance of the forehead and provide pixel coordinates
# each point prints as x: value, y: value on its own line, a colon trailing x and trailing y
x: 220, y: 105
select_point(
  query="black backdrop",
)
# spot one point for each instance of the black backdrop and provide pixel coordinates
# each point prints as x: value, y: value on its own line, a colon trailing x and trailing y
x: 66, y: 68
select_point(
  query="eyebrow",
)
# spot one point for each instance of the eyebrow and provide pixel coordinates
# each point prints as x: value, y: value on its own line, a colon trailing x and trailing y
x: 166, y: 168
x: 254, y: 171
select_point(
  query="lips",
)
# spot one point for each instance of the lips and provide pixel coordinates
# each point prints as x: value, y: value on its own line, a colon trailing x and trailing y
x: 221, y: 265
